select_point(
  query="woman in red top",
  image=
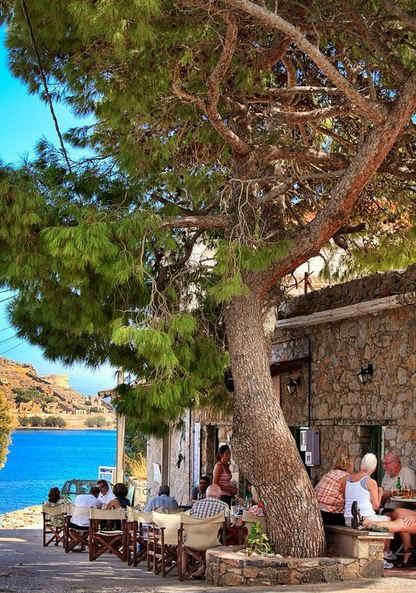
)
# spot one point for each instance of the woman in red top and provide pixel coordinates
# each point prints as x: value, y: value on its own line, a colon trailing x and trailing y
x: 222, y: 474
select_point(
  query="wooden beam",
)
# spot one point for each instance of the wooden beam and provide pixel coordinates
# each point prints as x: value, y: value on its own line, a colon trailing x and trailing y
x: 287, y: 366
x: 357, y: 310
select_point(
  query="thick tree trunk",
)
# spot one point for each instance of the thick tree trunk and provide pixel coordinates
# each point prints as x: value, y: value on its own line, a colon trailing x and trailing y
x: 263, y: 446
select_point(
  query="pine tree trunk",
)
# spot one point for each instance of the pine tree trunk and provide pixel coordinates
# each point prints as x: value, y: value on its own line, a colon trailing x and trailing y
x: 262, y: 444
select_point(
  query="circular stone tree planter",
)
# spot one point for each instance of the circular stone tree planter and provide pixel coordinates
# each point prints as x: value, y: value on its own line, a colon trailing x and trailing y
x: 230, y: 565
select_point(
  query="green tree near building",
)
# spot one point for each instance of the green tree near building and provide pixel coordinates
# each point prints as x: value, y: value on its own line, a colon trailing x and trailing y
x: 232, y: 141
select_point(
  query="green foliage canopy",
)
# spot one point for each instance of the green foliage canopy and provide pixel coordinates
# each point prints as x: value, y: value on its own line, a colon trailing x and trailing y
x: 195, y: 117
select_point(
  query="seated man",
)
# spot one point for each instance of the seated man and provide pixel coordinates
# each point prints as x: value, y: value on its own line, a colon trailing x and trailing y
x: 393, y: 470
x: 162, y: 501
x: 106, y: 494
x: 211, y: 505
x: 206, y: 507
x: 200, y: 491
x: 84, y: 501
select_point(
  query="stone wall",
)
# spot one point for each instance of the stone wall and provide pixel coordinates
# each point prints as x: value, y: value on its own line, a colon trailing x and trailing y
x: 350, y: 293
x: 226, y: 566
x: 342, y: 407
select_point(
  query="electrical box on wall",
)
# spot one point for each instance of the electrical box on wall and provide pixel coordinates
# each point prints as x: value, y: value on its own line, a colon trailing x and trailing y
x: 309, y: 438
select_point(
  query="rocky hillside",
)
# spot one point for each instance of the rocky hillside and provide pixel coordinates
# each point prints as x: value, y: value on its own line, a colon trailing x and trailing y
x: 51, y: 394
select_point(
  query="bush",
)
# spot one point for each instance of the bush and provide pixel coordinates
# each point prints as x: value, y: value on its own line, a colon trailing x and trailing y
x: 36, y: 421
x: 24, y: 421
x: 55, y: 421
x: 98, y: 421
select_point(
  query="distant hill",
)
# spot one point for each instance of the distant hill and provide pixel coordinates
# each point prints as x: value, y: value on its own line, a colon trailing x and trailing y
x: 48, y: 395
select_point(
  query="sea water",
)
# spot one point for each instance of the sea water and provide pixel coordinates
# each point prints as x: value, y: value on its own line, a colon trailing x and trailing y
x: 40, y: 459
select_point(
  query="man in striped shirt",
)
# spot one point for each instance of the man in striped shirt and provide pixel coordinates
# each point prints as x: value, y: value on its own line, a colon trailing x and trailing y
x: 211, y: 505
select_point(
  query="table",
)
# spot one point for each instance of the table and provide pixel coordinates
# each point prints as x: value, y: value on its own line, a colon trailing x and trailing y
x: 402, y: 499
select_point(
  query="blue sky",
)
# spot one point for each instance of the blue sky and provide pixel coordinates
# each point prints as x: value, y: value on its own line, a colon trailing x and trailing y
x: 25, y: 119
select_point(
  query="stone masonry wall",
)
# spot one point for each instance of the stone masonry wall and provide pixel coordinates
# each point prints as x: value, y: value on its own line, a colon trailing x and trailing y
x: 341, y: 406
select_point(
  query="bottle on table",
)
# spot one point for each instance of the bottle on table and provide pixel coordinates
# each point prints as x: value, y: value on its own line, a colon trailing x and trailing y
x: 398, y: 485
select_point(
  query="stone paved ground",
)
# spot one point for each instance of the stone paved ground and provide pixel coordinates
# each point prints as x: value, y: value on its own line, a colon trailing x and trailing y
x: 25, y: 566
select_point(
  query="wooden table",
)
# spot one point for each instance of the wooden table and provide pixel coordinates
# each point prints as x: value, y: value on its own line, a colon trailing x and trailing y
x: 403, y: 499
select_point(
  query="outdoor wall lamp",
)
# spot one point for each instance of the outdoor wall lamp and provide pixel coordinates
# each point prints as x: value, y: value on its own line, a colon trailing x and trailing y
x: 365, y: 374
x: 292, y: 385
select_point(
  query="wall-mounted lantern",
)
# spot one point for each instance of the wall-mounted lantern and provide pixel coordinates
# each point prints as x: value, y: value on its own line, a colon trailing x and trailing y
x: 366, y: 373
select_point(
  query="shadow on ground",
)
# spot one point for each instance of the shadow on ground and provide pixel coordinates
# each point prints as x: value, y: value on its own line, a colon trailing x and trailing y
x: 25, y: 566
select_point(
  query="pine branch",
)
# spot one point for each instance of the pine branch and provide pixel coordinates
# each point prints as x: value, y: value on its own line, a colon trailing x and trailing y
x: 313, y: 115
x: 197, y: 222
x: 372, y: 111
x: 318, y: 157
x: 214, y: 82
x: 347, y: 192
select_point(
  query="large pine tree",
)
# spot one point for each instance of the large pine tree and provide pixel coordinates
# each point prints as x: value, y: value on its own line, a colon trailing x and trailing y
x: 231, y: 142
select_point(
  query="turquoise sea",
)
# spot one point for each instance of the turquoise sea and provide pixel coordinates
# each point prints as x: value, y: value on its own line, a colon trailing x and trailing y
x: 40, y: 459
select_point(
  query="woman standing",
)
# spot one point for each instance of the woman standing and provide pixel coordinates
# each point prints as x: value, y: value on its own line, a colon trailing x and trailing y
x: 222, y: 474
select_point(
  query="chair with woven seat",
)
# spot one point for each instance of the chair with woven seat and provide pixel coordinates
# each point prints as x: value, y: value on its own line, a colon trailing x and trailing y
x: 137, y: 535
x: 53, y: 516
x: 75, y: 536
x: 162, y: 546
x: 111, y: 541
x: 195, y: 537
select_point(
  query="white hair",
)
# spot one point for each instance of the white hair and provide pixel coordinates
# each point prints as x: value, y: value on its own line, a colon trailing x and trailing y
x: 368, y: 463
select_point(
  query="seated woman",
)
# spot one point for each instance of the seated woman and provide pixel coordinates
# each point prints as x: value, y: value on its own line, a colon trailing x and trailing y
x: 362, y: 495
x: 55, y: 500
x: 54, y: 496
x: 330, y: 491
x: 120, y: 501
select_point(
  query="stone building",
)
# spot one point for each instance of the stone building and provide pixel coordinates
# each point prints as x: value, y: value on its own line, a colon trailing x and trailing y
x: 343, y: 362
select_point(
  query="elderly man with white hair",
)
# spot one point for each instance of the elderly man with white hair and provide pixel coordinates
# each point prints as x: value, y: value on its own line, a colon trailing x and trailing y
x: 394, y: 471
x: 211, y: 505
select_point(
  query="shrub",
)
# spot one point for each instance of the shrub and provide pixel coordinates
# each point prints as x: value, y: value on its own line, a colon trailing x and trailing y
x: 136, y: 466
x: 55, y: 421
x: 98, y: 421
x: 24, y: 421
x: 36, y: 421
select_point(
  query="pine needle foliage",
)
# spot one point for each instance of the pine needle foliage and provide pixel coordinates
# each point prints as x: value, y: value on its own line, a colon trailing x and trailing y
x: 102, y: 270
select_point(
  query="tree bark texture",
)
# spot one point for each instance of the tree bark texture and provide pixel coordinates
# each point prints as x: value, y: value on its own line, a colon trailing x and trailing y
x: 263, y: 446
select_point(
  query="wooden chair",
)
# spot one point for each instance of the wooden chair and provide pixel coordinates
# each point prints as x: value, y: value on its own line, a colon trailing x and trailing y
x: 195, y: 537
x: 162, y: 545
x: 53, y: 523
x: 73, y: 536
x: 103, y: 540
x: 137, y: 535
